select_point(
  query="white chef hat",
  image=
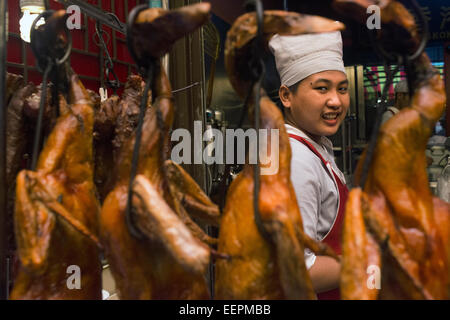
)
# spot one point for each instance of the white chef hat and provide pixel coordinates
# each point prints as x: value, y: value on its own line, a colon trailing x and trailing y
x: 300, y: 56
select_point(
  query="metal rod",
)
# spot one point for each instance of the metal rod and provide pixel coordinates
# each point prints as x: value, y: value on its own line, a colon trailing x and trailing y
x: 42, y: 102
x: 98, y: 14
x: 3, y: 187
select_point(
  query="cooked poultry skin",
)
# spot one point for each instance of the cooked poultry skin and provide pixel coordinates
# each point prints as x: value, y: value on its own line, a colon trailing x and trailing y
x: 115, y: 121
x: 267, y: 266
x: 156, y: 265
x: 144, y: 268
x: 56, y: 210
x: 395, y: 223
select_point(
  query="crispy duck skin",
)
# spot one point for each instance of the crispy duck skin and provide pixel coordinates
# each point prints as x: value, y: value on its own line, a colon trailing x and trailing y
x: 161, y: 224
x: 128, y: 110
x: 160, y: 264
x: 50, y: 116
x: 16, y: 147
x: 16, y: 92
x: 261, y: 267
x: 16, y: 138
x: 192, y: 197
x: 406, y: 228
x: 115, y: 121
x: 145, y: 268
x: 105, y: 118
x: 56, y: 210
x: 151, y: 22
x: 13, y: 83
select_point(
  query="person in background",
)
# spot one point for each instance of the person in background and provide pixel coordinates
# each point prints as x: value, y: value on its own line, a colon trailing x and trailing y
x: 401, y: 100
x: 315, y: 98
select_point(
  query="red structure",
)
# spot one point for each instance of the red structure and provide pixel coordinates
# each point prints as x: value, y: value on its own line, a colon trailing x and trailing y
x: 85, y: 57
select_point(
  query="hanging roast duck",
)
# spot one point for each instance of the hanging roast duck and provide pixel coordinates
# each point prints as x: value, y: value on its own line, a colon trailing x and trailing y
x: 158, y: 252
x: 266, y: 257
x: 394, y: 224
x: 56, y: 208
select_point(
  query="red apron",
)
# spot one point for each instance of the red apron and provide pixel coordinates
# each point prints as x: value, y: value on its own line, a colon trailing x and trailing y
x: 333, y: 237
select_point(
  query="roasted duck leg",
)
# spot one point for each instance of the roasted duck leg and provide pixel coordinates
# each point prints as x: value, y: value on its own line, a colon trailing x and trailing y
x: 190, y: 195
x: 161, y: 224
x: 168, y: 261
x: 395, y: 223
x: 269, y: 266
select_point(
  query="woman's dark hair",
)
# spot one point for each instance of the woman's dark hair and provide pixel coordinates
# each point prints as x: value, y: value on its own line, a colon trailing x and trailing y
x: 277, y: 100
x: 294, y: 87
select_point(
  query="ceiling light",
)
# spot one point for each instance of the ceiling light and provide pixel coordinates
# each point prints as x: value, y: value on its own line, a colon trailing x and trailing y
x: 31, y: 9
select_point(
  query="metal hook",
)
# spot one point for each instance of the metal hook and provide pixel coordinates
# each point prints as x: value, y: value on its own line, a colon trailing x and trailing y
x: 143, y: 65
x: 113, y: 84
x: 423, y: 43
x: 108, y: 64
x: 135, y: 158
x: 147, y: 69
x: 407, y: 60
x: 99, y: 32
x: 33, y: 43
x: 46, y: 64
x: 256, y: 60
x: 37, y: 136
x: 257, y: 68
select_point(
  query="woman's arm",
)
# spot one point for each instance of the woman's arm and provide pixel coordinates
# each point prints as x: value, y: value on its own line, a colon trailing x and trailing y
x: 325, y: 274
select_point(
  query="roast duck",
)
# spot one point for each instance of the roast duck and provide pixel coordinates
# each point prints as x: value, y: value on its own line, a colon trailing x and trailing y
x: 394, y: 222
x: 155, y: 250
x: 56, y: 206
x: 115, y: 121
x: 266, y: 258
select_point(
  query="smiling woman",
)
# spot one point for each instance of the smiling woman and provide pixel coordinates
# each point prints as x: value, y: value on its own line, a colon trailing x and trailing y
x: 314, y: 94
x: 317, y: 104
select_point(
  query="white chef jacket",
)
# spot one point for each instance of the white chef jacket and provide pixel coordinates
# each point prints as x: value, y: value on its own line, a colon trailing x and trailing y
x: 315, y: 189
